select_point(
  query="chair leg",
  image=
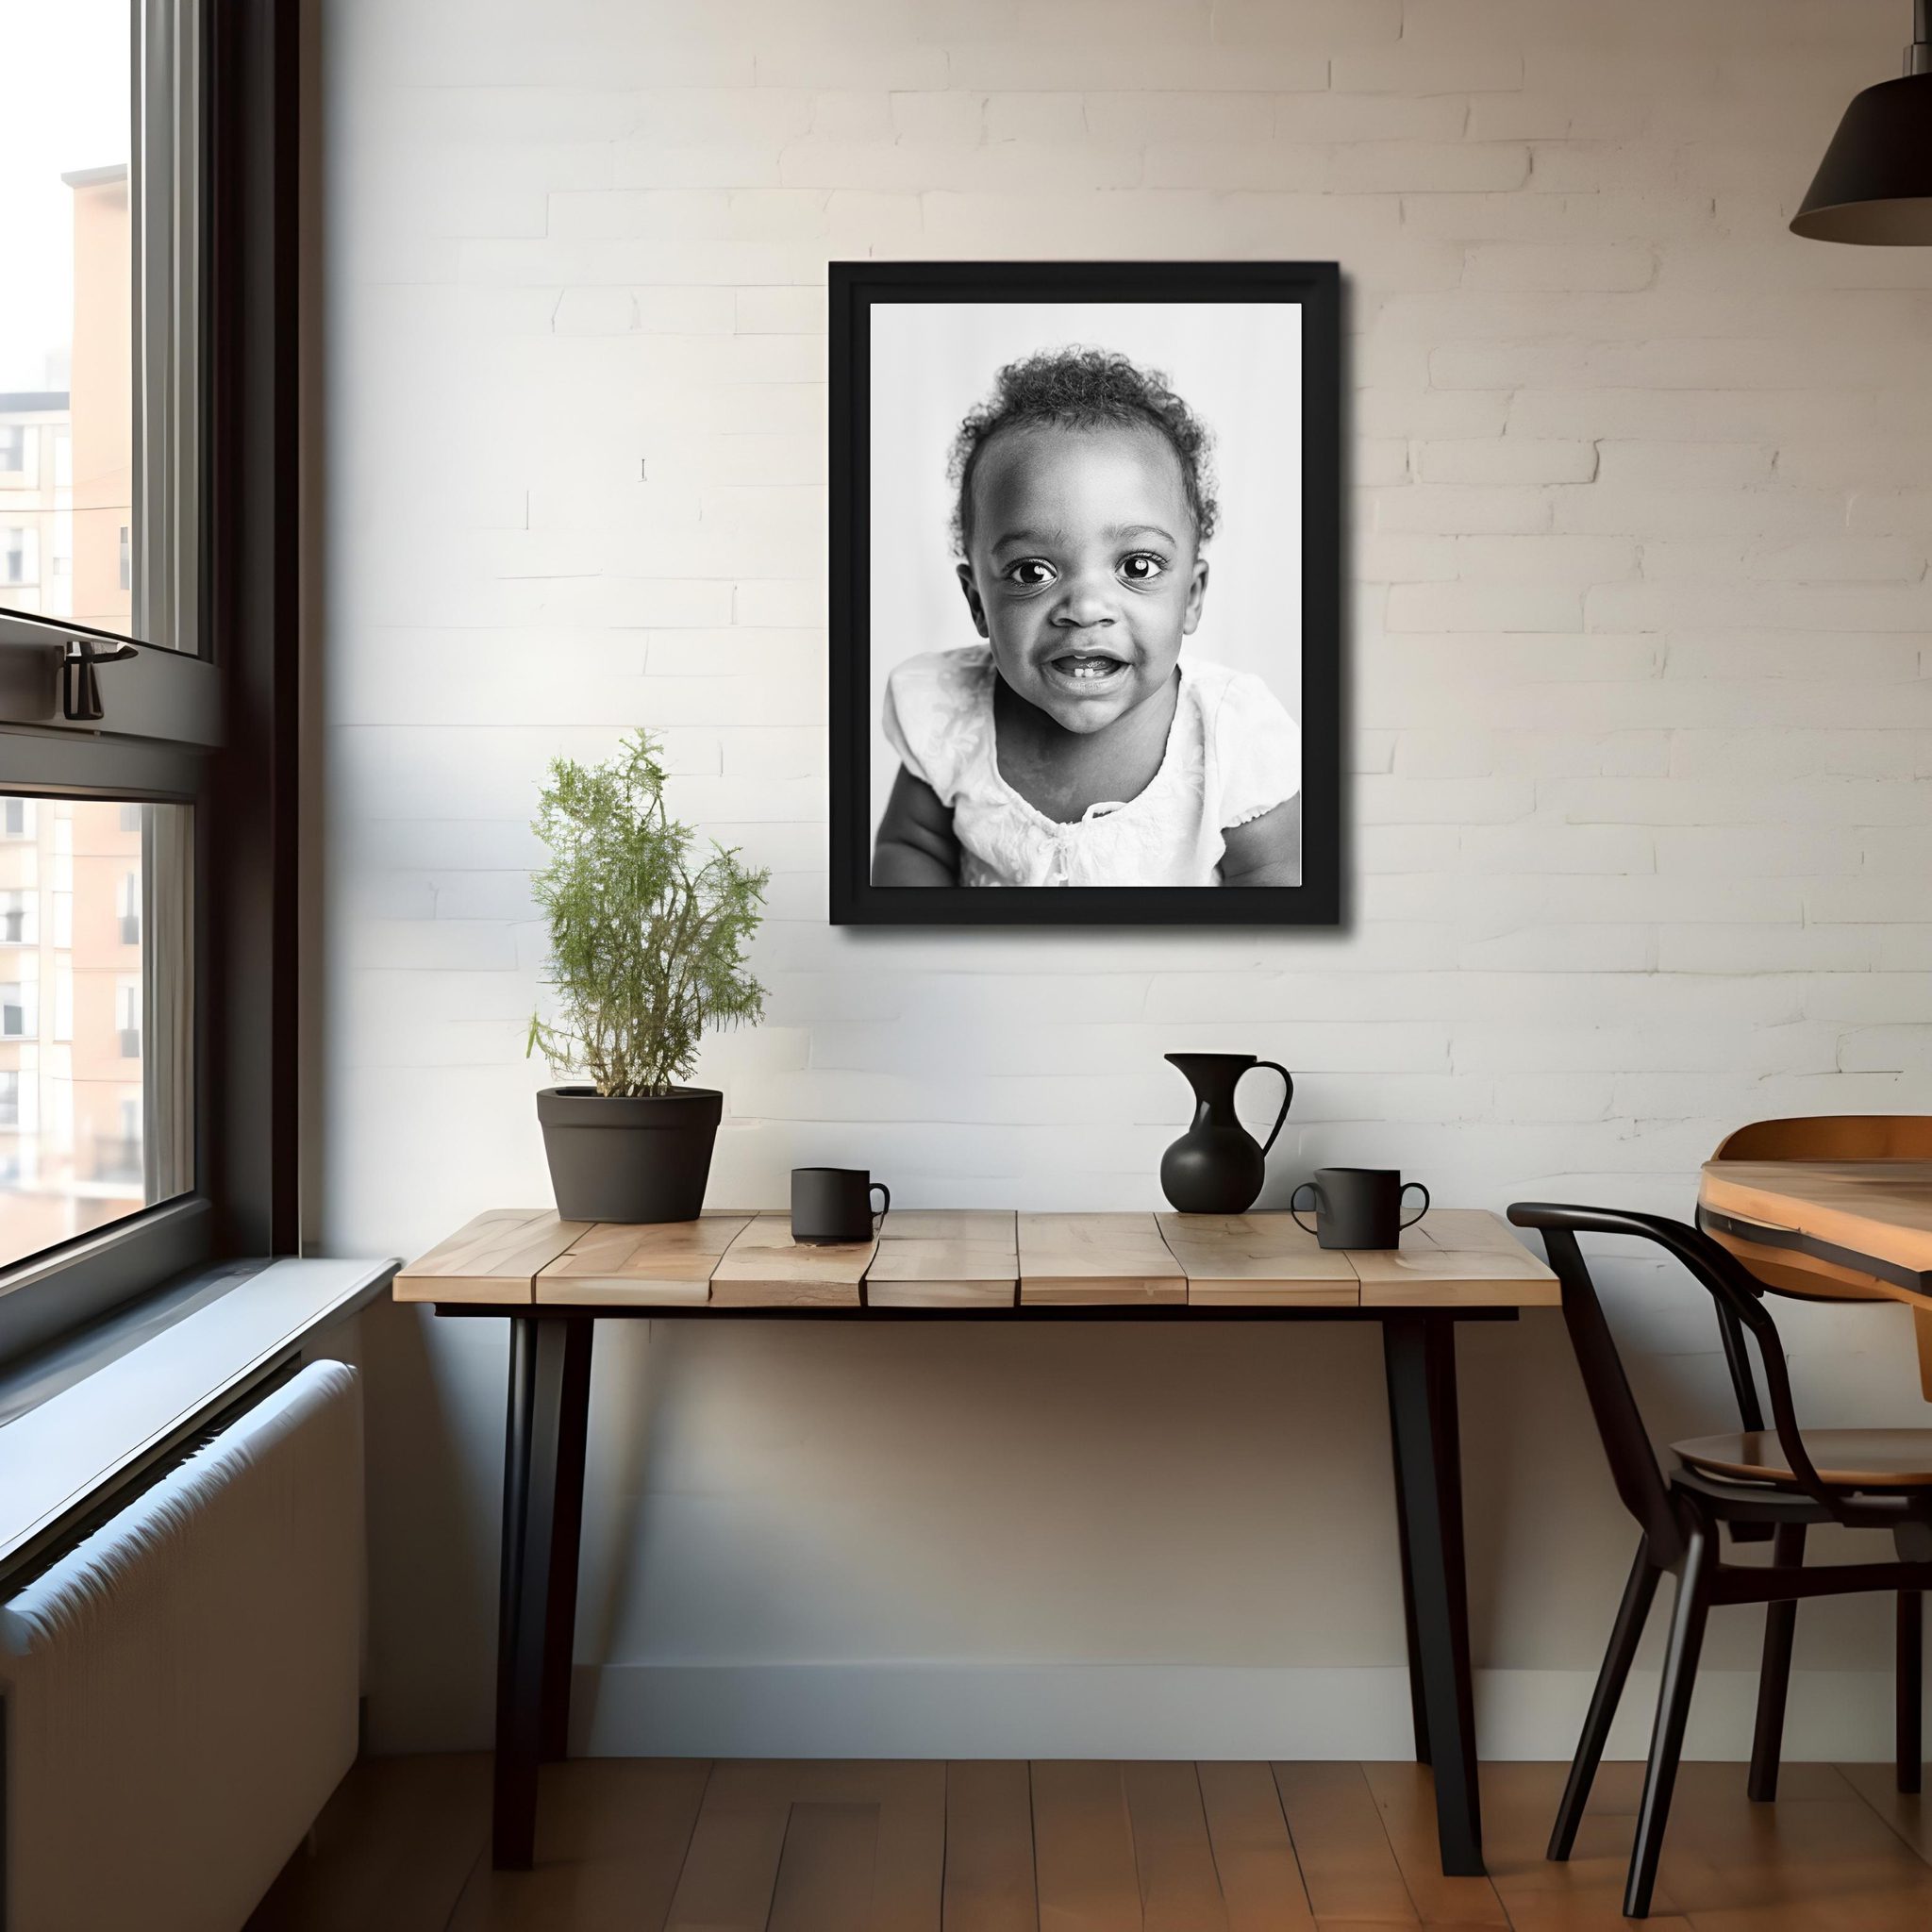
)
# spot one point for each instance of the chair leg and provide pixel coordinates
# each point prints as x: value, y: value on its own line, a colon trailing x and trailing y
x: 1911, y: 1686
x: 1913, y: 1541
x: 1775, y: 1673
x: 1631, y: 1615
x: 1688, y: 1618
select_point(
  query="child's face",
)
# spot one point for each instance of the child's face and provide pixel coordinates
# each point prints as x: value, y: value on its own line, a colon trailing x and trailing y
x: 1083, y: 572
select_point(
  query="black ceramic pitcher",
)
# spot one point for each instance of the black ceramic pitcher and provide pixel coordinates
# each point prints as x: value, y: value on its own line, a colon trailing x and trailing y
x: 1217, y: 1167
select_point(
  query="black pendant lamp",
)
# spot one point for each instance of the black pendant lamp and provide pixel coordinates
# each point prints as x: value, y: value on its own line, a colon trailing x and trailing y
x: 1874, y: 184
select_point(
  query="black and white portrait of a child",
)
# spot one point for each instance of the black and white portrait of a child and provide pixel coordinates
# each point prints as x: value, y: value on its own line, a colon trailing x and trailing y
x: 1084, y: 599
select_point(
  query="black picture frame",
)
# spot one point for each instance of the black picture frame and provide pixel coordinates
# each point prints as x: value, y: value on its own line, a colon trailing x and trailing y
x: 855, y: 287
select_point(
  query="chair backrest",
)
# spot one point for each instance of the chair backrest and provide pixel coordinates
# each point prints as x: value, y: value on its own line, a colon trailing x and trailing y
x: 1620, y: 1423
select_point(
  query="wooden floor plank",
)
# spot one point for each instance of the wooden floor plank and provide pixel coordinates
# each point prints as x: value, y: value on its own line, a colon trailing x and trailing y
x: 1083, y: 1848
x: 1347, y: 1865
x: 1585, y: 1892
x: 825, y: 1870
x: 611, y: 1837
x: 1814, y: 1863
x: 1260, y: 1882
x: 1180, y: 1889
x: 910, y: 1878
x: 390, y: 1851
x: 989, y: 1880
x: 1405, y: 1796
x: 731, y: 1869
x: 643, y: 1846
x: 1909, y: 1816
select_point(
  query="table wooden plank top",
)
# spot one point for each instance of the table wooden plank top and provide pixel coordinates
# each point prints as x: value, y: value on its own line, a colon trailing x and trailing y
x: 649, y: 1264
x: 1258, y: 1261
x: 1094, y: 1258
x: 1880, y: 1209
x: 973, y: 1258
x: 1455, y: 1258
x: 495, y: 1258
x: 765, y: 1268
x: 946, y: 1258
x: 1859, y: 1230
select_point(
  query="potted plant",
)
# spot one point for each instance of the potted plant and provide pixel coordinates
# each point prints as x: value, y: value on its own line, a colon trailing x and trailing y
x: 646, y: 950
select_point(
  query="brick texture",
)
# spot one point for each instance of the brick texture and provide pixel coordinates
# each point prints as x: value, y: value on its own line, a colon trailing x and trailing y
x: 1642, y: 725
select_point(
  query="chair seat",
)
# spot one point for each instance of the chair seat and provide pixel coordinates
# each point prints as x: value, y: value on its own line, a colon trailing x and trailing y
x: 1845, y: 1458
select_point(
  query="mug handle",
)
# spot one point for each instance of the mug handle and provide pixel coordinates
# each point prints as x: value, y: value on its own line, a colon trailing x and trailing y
x: 881, y: 1187
x: 1420, y: 1211
x: 1296, y: 1196
x: 1287, y: 1098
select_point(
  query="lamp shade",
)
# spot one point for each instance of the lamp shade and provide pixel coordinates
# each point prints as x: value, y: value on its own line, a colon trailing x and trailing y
x: 1874, y: 184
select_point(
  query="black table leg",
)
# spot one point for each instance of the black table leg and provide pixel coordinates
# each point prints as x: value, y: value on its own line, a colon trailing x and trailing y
x: 540, y: 1348
x: 560, y: 1618
x: 1418, y: 1711
x: 1418, y: 1349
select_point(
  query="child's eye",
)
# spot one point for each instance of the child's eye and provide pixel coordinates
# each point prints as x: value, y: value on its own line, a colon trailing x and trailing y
x: 1142, y: 567
x: 1031, y: 572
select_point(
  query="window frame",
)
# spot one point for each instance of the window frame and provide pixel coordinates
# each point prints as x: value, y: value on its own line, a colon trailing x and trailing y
x: 214, y: 215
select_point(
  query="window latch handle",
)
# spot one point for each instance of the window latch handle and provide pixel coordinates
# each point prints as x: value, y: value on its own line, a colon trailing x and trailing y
x: 80, y: 689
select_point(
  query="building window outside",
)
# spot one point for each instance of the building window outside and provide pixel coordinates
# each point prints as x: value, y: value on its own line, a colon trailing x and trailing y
x: 16, y: 555
x: 130, y: 907
x: 128, y: 1011
x: 126, y: 560
x: 16, y: 817
x: 10, y: 1097
x: 16, y: 919
x: 15, y: 1009
x: 13, y: 449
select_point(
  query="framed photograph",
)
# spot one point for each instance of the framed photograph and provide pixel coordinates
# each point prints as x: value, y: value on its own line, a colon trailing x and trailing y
x: 1085, y: 593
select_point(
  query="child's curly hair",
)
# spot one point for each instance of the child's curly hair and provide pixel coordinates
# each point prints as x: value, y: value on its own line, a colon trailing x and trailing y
x: 1082, y: 389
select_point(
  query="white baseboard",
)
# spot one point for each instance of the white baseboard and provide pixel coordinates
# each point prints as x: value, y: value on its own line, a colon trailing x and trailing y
x: 1162, y: 1711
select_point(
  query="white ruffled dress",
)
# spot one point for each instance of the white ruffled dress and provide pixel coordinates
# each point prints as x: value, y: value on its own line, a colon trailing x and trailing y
x: 1233, y: 753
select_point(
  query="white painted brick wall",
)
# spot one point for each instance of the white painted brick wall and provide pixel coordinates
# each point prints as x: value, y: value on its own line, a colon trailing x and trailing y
x: 1641, y: 728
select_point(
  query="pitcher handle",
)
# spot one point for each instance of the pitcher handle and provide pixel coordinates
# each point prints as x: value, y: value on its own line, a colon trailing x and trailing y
x: 1420, y: 1211
x: 881, y: 1187
x: 1286, y: 1097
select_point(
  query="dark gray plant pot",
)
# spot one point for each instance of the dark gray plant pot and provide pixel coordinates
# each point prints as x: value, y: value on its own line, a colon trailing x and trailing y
x: 641, y: 1158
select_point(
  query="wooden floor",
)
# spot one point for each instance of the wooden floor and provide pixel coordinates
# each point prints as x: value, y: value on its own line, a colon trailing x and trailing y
x: 660, y: 1845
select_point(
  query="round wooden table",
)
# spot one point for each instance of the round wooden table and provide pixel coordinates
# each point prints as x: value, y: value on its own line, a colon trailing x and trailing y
x: 1830, y: 1230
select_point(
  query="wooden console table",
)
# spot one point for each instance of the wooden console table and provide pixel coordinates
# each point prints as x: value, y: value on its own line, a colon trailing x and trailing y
x: 554, y: 1278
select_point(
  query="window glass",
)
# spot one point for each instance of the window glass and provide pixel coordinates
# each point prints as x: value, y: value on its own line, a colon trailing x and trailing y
x: 94, y: 1015
x: 67, y: 349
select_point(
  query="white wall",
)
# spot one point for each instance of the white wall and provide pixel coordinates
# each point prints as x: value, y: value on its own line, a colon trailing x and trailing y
x: 1641, y: 490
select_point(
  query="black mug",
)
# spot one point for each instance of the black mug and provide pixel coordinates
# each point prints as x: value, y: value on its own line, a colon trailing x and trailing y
x: 834, y: 1204
x: 1359, y: 1207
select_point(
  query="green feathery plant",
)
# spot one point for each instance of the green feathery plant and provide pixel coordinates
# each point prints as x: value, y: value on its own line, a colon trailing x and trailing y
x: 644, y: 952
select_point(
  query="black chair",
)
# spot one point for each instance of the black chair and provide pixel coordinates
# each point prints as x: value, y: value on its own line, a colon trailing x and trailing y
x: 1760, y: 1485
